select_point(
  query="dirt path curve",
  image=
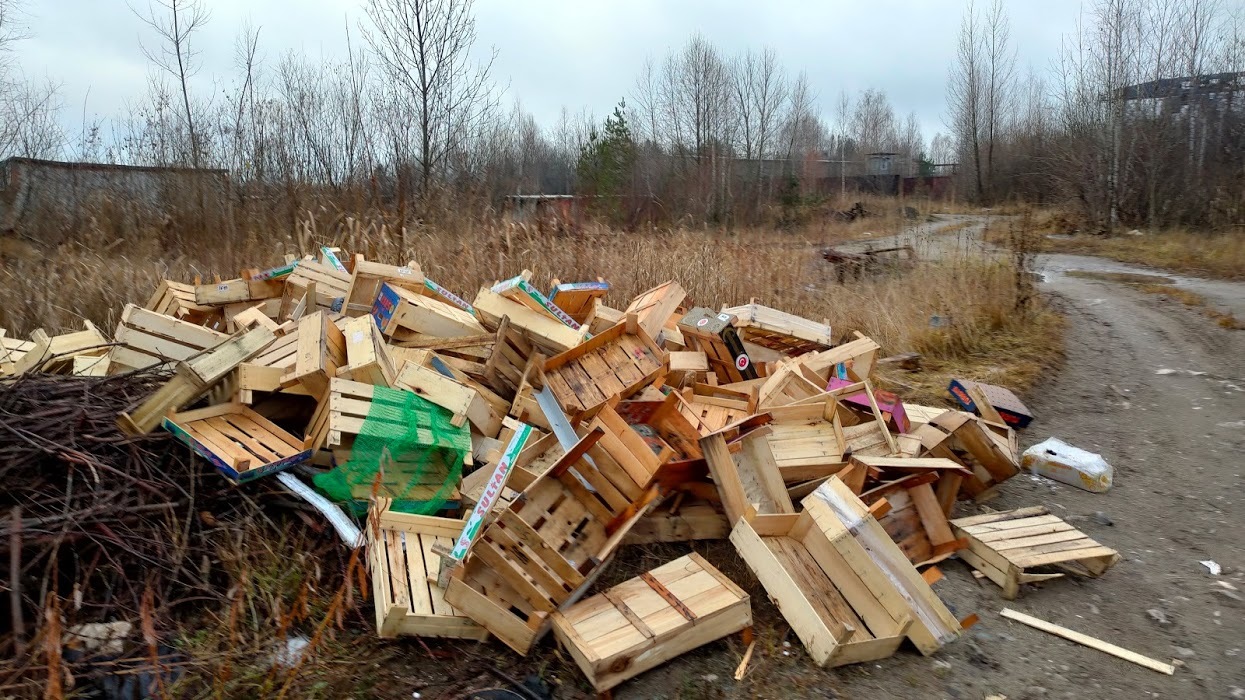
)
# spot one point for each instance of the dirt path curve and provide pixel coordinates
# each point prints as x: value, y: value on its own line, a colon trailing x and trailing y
x: 1159, y: 390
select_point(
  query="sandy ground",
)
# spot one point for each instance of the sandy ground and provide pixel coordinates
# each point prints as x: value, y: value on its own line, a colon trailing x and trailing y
x: 1157, y: 389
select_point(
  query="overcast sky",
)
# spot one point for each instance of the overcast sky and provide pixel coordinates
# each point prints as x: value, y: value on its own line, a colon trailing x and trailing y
x: 573, y: 53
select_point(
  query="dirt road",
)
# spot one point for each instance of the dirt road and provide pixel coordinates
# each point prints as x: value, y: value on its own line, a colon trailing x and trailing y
x: 1159, y: 390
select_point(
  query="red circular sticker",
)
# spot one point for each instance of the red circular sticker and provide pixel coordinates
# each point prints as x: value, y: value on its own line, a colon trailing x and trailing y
x: 742, y: 362
x: 703, y: 322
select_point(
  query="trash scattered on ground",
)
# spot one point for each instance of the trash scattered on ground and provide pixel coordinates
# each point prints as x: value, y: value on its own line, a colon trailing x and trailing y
x: 495, y: 454
x: 1212, y: 566
x: 1055, y: 459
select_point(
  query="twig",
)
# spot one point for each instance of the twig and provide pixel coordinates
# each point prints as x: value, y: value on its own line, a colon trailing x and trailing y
x: 15, y: 582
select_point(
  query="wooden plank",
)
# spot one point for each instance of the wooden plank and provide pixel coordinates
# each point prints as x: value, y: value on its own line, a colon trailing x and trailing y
x: 1086, y: 640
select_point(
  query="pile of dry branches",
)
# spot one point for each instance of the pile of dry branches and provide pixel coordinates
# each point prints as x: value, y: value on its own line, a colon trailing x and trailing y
x: 99, y: 525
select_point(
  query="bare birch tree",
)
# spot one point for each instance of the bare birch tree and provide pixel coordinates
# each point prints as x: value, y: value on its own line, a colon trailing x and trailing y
x: 175, y: 23
x: 424, y: 47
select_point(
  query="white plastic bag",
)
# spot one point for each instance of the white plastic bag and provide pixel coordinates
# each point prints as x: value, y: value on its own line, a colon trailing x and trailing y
x: 1056, y: 459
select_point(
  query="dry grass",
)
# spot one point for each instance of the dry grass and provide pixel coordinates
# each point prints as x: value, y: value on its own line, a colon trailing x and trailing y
x: 1213, y: 255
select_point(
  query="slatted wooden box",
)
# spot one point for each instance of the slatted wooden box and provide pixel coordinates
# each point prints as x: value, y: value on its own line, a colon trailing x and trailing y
x: 330, y: 283
x: 147, y: 338
x: 1007, y: 546
x: 618, y: 362
x: 239, y: 442
x: 779, y: 330
x: 367, y: 277
x: 178, y: 300
x: 404, y: 567
x: 838, y: 603
x: 654, y: 309
x: 644, y: 622
x: 544, y: 550
x: 409, y: 315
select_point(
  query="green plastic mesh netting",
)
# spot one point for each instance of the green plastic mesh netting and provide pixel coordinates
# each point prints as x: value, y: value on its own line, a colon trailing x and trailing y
x: 410, y: 442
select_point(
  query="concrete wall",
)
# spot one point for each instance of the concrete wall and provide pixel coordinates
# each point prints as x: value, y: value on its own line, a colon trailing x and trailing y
x: 46, y: 201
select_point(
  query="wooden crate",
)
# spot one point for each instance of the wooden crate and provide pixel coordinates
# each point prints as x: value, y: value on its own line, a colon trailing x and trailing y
x: 712, y: 333
x: 545, y: 549
x: 403, y: 563
x: 367, y: 355
x: 147, y: 338
x: 546, y: 334
x: 330, y: 283
x: 778, y: 330
x: 654, y: 309
x: 837, y: 601
x: 1008, y: 546
x: 711, y: 408
x: 367, y: 277
x: 914, y: 518
x: 56, y: 353
x: 579, y: 299
x: 321, y: 352
x: 838, y: 510
x: 519, y: 289
x: 680, y: 520
x: 618, y: 362
x: 464, y: 402
x: 407, y: 315
x: 178, y: 300
x: 965, y: 438
x: 747, y: 478
x: 645, y: 621
x: 192, y: 379
x: 808, y: 440
x: 239, y: 442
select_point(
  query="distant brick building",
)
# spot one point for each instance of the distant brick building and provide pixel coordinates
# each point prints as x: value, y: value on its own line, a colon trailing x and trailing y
x: 45, y: 201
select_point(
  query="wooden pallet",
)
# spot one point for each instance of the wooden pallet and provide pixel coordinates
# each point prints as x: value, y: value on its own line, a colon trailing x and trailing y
x: 778, y: 330
x: 616, y: 363
x: 836, y: 599
x: 239, y: 442
x: 545, y: 549
x: 645, y: 621
x: 146, y: 338
x: 367, y: 277
x: 1008, y: 546
x: 403, y: 562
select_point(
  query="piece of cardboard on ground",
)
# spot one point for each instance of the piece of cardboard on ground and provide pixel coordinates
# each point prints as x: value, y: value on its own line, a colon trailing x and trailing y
x: 1001, y: 400
x: 1016, y: 547
x: 648, y: 620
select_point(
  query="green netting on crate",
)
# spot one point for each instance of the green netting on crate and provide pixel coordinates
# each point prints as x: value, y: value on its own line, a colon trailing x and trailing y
x: 412, y: 445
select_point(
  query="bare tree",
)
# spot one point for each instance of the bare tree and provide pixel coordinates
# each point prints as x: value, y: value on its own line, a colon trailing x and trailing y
x: 999, y: 82
x: 424, y: 47
x: 759, y: 89
x: 964, y: 92
x: 175, y: 22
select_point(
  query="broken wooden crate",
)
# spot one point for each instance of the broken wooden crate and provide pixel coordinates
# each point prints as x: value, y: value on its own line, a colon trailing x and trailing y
x: 967, y: 439
x: 1008, y: 546
x: 367, y: 277
x: 56, y: 353
x: 407, y: 315
x: 645, y: 621
x: 655, y: 308
x: 712, y: 333
x: 403, y: 562
x: 544, y: 550
x: 618, y: 362
x: 239, y: 442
